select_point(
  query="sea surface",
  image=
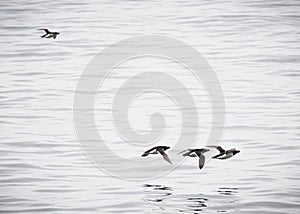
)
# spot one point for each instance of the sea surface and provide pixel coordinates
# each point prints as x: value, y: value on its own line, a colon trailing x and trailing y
x: 254, y: 50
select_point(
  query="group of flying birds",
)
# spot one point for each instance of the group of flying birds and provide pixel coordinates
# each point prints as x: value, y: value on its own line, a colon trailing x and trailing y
x: 223, y: 154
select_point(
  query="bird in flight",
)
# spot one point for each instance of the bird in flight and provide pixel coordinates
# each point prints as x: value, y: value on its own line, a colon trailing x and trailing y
x: 158, y: 150
x: 195, y: 153
x: 49, y: 34
x: 224, y: 154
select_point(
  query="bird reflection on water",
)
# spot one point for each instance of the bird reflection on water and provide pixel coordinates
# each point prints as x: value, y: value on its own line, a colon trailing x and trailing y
x: 164, y: 199
x: 227, y: 191
x: 160, y: 196
x: 156, y: 193
x: 198, y: 203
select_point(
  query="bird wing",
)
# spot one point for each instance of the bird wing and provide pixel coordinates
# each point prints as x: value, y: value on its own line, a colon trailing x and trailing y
x: 183, y: 151
x: 186, y: 152
x: 165, y: 156
x: 201, y: 161
x: 148, y: 151
x: 45, y: 29
x: 221, y: 150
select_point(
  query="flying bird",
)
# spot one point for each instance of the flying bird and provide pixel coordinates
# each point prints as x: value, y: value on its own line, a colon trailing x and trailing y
x: 49, y: 34
x: 224, y: 154
x: 158, y: 150
x: 195, y: 153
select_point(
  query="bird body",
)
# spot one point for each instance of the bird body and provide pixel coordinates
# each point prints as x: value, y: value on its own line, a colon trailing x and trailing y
x: 158, y: 150
x: 49, y: 34
x: 224, y: 154
x: 195, y: 153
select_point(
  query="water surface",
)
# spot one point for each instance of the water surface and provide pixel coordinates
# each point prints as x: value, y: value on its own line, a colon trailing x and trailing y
x: 253, y: 48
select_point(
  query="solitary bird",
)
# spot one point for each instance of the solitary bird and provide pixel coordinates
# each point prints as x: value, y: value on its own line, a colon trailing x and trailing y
x: 158, y: 149
x: 195, y: 153
x: 224, y: 154
x: 49, y: 34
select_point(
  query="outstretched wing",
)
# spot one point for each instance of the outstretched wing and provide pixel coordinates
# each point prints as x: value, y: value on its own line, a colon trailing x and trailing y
x: 183, y: 151
x: 148, y: 151
x: 165, y: 156
x: 44, y: 29
x: 201, y: 161
x: 187, y: 152
x: 220, y: 149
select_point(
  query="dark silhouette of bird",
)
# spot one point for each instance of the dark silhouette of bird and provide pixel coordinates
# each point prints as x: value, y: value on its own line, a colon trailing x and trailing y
x: 158, y: 150
x: 224, y: 154
x: 49, y: 34
x: 195, y: 153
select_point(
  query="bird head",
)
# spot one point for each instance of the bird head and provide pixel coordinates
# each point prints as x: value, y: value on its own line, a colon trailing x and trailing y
x: 234, y: 151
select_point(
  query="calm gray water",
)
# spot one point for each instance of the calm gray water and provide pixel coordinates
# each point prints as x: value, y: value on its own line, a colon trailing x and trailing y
x: 254, y: 48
